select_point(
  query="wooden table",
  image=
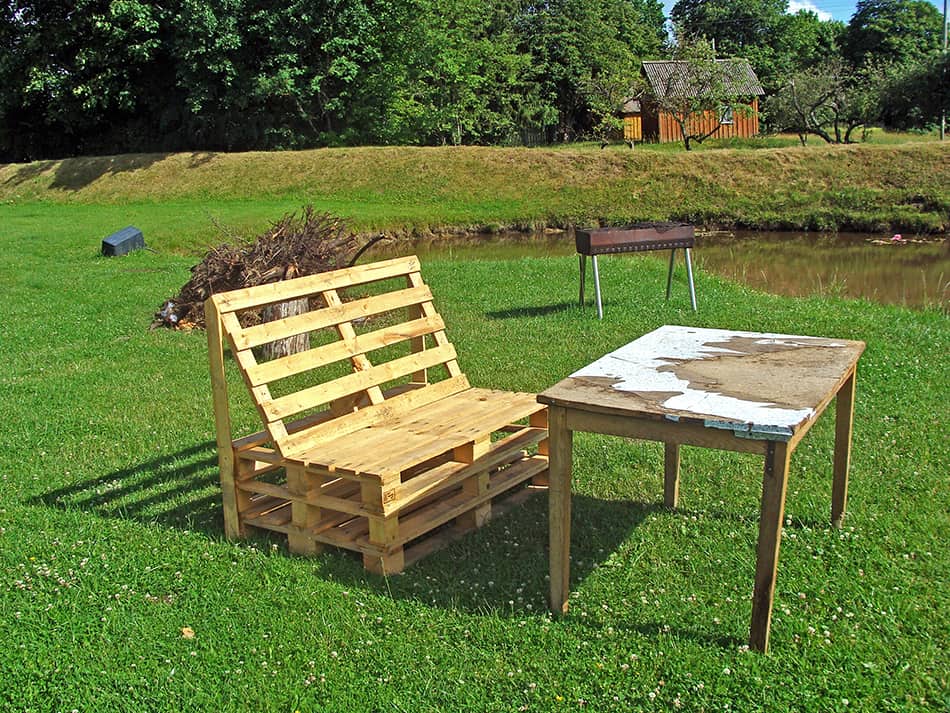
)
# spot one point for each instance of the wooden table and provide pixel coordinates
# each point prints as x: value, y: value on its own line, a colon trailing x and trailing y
x: 739, y: 391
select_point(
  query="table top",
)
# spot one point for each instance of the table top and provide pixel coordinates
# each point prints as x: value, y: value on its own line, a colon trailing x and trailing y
x: 757, y: 385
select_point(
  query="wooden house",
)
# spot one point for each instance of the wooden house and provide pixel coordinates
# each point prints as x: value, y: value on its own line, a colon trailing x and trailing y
x: 644, y: 121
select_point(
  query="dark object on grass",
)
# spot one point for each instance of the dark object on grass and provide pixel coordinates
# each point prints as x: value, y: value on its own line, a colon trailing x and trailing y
x: 122, y: 242
x: 293, y: 247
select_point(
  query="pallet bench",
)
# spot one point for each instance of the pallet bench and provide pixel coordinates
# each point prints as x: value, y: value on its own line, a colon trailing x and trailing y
x: 373, y: 438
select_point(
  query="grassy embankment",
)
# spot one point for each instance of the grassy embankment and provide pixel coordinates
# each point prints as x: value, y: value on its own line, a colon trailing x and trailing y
x: 175, y: 197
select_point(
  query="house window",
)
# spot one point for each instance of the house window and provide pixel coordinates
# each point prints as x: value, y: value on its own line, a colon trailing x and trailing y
x: 725, y: 115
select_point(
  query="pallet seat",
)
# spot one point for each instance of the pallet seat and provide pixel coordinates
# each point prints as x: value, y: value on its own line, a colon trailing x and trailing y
x: 373, y: 438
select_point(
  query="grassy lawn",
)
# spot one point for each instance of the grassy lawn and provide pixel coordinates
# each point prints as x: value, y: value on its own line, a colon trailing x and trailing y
x: 111, y: 537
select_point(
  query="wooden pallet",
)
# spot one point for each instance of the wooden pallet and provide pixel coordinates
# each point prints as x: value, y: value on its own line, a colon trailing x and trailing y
x: 389, y: 456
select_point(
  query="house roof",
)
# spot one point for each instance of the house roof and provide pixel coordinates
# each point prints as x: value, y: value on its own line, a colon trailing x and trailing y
x: 675, y: 77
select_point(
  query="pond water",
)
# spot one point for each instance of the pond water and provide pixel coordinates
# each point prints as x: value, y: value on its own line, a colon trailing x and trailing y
x: 914, y: 273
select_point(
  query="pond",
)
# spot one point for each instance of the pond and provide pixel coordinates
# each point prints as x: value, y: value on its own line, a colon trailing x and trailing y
x: 910, y: 272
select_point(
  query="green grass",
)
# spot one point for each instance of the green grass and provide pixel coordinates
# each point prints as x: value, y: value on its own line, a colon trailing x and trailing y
x: 111, y: 536
x: 874, y: 187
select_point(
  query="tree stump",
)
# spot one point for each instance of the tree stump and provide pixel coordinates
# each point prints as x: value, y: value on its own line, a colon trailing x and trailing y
x: 291, y: 345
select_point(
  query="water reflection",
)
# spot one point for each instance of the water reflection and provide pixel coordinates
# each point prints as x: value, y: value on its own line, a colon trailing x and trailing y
x: 913, y: 272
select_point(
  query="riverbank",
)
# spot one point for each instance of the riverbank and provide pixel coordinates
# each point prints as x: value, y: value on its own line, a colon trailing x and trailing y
x: 419, y: 190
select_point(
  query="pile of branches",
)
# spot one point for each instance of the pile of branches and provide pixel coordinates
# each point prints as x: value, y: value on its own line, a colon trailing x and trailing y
x: 293, y: 247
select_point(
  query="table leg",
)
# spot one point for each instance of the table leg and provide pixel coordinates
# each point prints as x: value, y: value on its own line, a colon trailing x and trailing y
x: 669, y: 274
x: 600, y: 308
x: 560, y: 442
x: 844, y: 418
x: 583, y: 263
x: 671, y: 474
x: 774, y: 483
x: 689, y: 276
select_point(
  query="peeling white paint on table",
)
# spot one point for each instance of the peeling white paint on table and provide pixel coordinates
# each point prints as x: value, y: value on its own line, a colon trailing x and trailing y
x: 745, y: 391
x: 649, y: 365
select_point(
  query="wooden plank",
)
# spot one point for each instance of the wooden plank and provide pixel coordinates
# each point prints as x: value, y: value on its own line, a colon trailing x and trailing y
x: 237, y: 300
x: 689, y: 434
x: 403, y: 443
x: 261, y: 437
x: 450, y: 474
x: 264, y: 455
x: 359, y: 361
x: 443, y: 510
x: 303, y: 515
x: 353, y: 383
x: 266, y: 505
x: 475, y: 485
x: 330, y: 316
x: 298, y: 445
x: 222, y: 420
x: 318, y: 500
x: 428, y: 309
x: 269, y: 371
x: 539, y: 419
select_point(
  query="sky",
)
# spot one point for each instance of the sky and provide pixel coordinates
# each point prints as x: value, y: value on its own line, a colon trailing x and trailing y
x: 825, y: 9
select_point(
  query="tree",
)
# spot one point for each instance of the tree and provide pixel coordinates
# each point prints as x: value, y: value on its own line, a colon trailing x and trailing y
x: 892, y: 31
x: 697, y: 85
x: 830, y: 101
x: 747, y: 29
x: 917, y: 92
x: 72, y: 71
x: 578, y: 45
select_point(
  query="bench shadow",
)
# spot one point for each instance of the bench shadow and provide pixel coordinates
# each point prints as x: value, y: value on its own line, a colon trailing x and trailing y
x: 537, y: 311
x: 178, y: 490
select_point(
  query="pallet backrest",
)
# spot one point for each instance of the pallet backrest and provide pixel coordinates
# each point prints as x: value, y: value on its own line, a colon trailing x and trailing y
x: 376, y: 335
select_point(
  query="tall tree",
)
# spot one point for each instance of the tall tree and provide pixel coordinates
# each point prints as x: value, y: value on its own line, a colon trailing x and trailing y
x: 578, y: 44
x: 892, y: 31
x: 72, y: 71
x: 746, y: 29
x: 830, y: 101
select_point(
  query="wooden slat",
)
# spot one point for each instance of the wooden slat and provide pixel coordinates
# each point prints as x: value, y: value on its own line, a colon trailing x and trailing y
x: 297, y: 444
x: 261, y: 437
x: 359, y: 361
x: 428, y: 309
x: 261, y: 295
x: 453, y: 473
x: 442, y: 511
x: 352, y: 507
x: 247, y: 338
x: 354, y: 383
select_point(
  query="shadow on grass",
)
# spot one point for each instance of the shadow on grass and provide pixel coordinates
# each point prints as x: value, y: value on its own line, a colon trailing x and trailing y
x: 179, y: 490
x: 538, y: 311
x: 73, y: 174
x: 503, y: 566
x: 499, y: 570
